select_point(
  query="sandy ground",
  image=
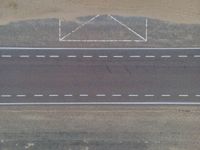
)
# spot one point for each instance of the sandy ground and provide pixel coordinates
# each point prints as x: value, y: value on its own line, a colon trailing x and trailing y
x: 166, y: 128
x: 179, y: 11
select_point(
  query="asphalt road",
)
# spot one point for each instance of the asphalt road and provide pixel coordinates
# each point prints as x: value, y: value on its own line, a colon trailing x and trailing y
x: 29, y: 76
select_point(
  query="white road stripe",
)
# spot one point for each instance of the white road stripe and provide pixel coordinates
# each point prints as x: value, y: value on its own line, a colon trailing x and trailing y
x: 116, y: 95
x: 71, y: 56
x: 53, y: 95
x: 118, y: 56
x: 183, y: 95
x: 40, y: 56
x: 103, y: 56
x: 196, y: 56
x: 182, y: 56
x: 24, y: 56
x: 68, y: 95
x: 100, y: 103
x: 87, y: 56
x: 21, y: 95
x: 38, y: 95
x: 6, y: 56
x: 135, y: 56
x: 150, y: 56
x: 198, y: 95
x: 166, y: 56
x: 83, y: 95
x: 54, y: 56
x: 6, y: 95
x: 165, y: 95
x: 149, y: 95
x: 100, y: 95
x: 133, y: 95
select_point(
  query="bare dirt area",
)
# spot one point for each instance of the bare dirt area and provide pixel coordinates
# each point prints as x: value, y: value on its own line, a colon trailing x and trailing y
x: 179, y: 11
x: 90, y: 127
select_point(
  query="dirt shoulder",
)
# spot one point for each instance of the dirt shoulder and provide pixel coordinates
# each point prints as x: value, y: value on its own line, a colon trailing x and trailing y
x: 106, y: 127
x: 179, y: 11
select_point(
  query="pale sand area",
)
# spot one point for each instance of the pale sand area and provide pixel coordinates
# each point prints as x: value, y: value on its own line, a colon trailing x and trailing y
x: 178, y: 11
x: 175, y: 128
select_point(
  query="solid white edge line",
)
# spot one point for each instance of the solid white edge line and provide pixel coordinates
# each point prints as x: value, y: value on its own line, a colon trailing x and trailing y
x: 102, y: 103
x: 113, y: 48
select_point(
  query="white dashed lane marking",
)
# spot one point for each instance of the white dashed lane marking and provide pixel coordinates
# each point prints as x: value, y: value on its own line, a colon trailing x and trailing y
x: 68, y: 95
x: 118, y: 56
x: 183, y: 95
x: 149, y: 95
x: 166, y: 56
x: 135, y: 56
x: 183, y: 56
x: 21, y: 95
x: 6, y: 56
x: 103, y: 56
x: 116, y: 95
x: 100, y: 56
x: 40, y: 56
x: 133, y: 95
x: 165, y: 95
x: 54, y: 56
x: 6, y: 95
x: 150, y: 56
x: 71, y: 56
x: 53, y: 95
x: 87, y: 56
x: 38, y: 95
x: 196, y: 56
x: 83, y: 95
x: 102, y: 95
x: 24, y: 56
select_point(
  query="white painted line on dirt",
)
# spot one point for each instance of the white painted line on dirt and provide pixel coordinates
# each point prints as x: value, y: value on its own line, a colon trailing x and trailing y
x: 131, y: 30
x: 103, y: 41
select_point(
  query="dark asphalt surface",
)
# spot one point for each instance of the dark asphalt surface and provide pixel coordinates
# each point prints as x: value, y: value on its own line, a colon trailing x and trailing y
x: 99, y: 75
